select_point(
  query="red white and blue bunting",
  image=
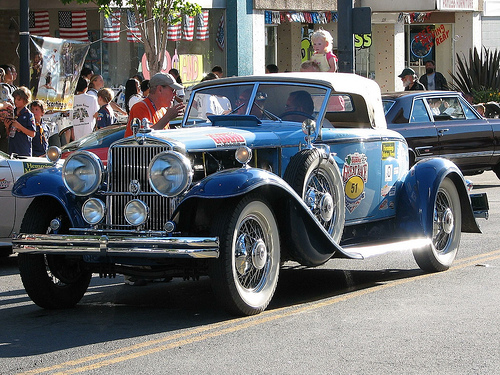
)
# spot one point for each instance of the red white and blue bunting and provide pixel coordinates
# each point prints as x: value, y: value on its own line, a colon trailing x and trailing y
x: 276, y: 18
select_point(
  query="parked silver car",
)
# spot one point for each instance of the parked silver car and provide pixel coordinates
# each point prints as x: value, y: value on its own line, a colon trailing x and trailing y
x: 13, y: 209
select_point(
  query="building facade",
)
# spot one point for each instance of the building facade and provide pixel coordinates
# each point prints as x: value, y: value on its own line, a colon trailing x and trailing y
x: 243, y: 36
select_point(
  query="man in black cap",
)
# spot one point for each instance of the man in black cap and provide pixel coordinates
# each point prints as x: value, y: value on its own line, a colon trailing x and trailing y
x: 410, y: 80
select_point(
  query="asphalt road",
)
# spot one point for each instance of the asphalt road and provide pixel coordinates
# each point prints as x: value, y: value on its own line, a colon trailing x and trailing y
x: 378, y: 316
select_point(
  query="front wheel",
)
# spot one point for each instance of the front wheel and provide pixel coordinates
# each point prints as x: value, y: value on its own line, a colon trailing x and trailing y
x: 446, y: 231
x: 245, y: 276
x: 51, y: 281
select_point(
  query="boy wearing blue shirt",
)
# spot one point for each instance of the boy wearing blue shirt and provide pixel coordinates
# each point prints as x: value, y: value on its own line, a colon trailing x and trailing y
x: 39, y: 142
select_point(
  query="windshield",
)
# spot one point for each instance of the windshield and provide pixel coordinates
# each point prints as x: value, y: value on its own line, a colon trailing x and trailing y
x: 271, y: 102
x: 387, y: 105
x: 95, y: 138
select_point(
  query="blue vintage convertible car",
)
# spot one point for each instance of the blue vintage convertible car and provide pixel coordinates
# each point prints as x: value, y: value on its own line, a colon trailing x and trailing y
x: 264, y: 169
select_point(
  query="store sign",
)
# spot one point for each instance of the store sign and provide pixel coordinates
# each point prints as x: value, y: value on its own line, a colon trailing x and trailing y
x: 429, y: 37
x: 190, y: 67
x: 362, y: 41
x: 465, y: 5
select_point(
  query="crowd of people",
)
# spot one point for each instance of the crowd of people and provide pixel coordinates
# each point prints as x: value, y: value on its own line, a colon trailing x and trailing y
x: 159, y: 99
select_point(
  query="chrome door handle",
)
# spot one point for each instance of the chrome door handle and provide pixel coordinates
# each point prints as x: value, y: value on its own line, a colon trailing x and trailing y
x: 442, y: 131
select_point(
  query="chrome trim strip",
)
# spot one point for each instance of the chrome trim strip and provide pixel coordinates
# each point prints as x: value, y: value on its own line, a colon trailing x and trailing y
x: 467, y: 154
x: 159, y: 247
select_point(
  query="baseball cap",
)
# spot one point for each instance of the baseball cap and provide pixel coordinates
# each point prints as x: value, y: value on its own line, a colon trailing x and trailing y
x: 407, y: 72
x: 164, y: 79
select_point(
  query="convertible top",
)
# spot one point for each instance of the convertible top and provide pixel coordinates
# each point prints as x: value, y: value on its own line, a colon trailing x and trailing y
x: 364, y: 89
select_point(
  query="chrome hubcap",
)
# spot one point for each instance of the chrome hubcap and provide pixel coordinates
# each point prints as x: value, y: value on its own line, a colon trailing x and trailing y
x: 447, y: 221
x: 259, y: 254
x: 326, y: 207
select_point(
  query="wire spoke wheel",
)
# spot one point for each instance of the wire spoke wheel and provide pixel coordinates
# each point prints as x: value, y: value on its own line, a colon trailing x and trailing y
x: 246, y: 274
x: 446, y: 230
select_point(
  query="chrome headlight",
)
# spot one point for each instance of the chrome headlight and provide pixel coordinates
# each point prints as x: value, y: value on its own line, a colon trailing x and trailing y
x: 170, y: 173
x: 53, y: 154
x: 136, y: 212
x: 93, y: 211
x: 82, y: 173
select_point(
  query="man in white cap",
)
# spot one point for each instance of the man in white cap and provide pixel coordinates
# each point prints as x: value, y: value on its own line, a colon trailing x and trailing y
x: 157, y: 107
x: 410, y: 80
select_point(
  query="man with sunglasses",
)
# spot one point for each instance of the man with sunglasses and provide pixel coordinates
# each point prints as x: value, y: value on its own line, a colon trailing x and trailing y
x: 158, y: 107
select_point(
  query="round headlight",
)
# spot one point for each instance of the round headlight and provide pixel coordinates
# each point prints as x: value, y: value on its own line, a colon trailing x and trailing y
x: 53, y: 154
x: 93, y: 211
x: 136, y: 212
x: 82, y: 173
x: 170, y: 173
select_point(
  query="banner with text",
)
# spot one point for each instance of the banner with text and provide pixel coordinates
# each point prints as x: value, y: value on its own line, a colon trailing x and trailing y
x: 55, y: 69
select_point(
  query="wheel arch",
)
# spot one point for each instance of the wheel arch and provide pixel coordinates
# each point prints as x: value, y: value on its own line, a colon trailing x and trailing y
x: 415, y: 214
x: 48, y: 184
x: 302, y: 236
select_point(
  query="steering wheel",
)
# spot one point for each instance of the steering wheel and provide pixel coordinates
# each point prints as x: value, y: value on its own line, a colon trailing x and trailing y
x: 296, y: 113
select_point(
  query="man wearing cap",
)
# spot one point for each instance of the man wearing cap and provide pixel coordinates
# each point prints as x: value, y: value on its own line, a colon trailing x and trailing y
x: 157, y: 107
x: 410, y: 80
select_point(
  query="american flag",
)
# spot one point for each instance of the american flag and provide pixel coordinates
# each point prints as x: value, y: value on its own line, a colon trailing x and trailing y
x: 202, y: 26
x: 111, y: 31
x: 73, y: 25
x: 133, y: 32
x: 174, y: 30
x: 188, y: 27
x: 39, y: 23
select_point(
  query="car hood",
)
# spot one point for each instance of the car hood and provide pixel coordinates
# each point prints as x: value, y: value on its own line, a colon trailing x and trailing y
x: 215, y: 137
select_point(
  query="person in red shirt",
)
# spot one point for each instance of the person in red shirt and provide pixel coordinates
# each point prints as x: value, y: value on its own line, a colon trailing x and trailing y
x: 157, y: 107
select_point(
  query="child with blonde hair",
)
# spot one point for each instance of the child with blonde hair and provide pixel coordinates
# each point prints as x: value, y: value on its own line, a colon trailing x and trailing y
x: 322, y: 42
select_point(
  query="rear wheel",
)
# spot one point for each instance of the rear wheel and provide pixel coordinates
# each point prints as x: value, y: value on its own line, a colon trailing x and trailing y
x: 446, y: 230
x: 51, y: 281
x: 246, y: 274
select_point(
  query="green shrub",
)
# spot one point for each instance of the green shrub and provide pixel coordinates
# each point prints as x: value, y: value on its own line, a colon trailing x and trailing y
x: 479, y: 75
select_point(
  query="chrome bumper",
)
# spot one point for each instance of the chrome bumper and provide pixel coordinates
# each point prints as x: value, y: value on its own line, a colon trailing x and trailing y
x: 106, y: 245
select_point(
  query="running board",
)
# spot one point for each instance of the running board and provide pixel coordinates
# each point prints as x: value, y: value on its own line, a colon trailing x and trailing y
x: 387, y: 247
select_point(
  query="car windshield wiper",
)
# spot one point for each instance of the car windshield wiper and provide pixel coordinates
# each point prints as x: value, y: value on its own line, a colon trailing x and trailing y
x: 269, y: 114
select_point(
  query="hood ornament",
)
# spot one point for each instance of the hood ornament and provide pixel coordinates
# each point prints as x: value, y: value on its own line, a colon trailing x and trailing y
x: 134, y: 187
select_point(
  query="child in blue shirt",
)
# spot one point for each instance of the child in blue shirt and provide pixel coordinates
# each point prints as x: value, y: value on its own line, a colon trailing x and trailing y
x: 39, y: 142
x: 22, y: 128
x: 105, y: 116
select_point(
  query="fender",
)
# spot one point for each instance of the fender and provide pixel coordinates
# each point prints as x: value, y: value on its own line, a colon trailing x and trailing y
x: 49, y: 182
x: 415, y: 213
x: 308, y: 243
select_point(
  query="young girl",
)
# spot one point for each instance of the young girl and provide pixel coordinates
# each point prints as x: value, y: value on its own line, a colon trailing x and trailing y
x: 22, y: 128
x: 105, y: 116
x: 322, y: 42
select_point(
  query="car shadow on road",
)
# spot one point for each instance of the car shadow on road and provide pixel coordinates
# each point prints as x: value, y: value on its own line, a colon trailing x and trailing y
x: 111, y: 310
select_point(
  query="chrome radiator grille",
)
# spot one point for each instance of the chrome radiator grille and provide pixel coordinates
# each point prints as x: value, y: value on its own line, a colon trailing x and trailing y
x: 127, y: 163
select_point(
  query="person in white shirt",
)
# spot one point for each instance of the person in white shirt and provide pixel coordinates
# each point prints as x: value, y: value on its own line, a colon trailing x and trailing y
x: 84, y: 108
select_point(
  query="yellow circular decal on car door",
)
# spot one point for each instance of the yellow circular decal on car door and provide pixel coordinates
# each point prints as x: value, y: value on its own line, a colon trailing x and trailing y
x: 354, y: 187
x: 355, y: 176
